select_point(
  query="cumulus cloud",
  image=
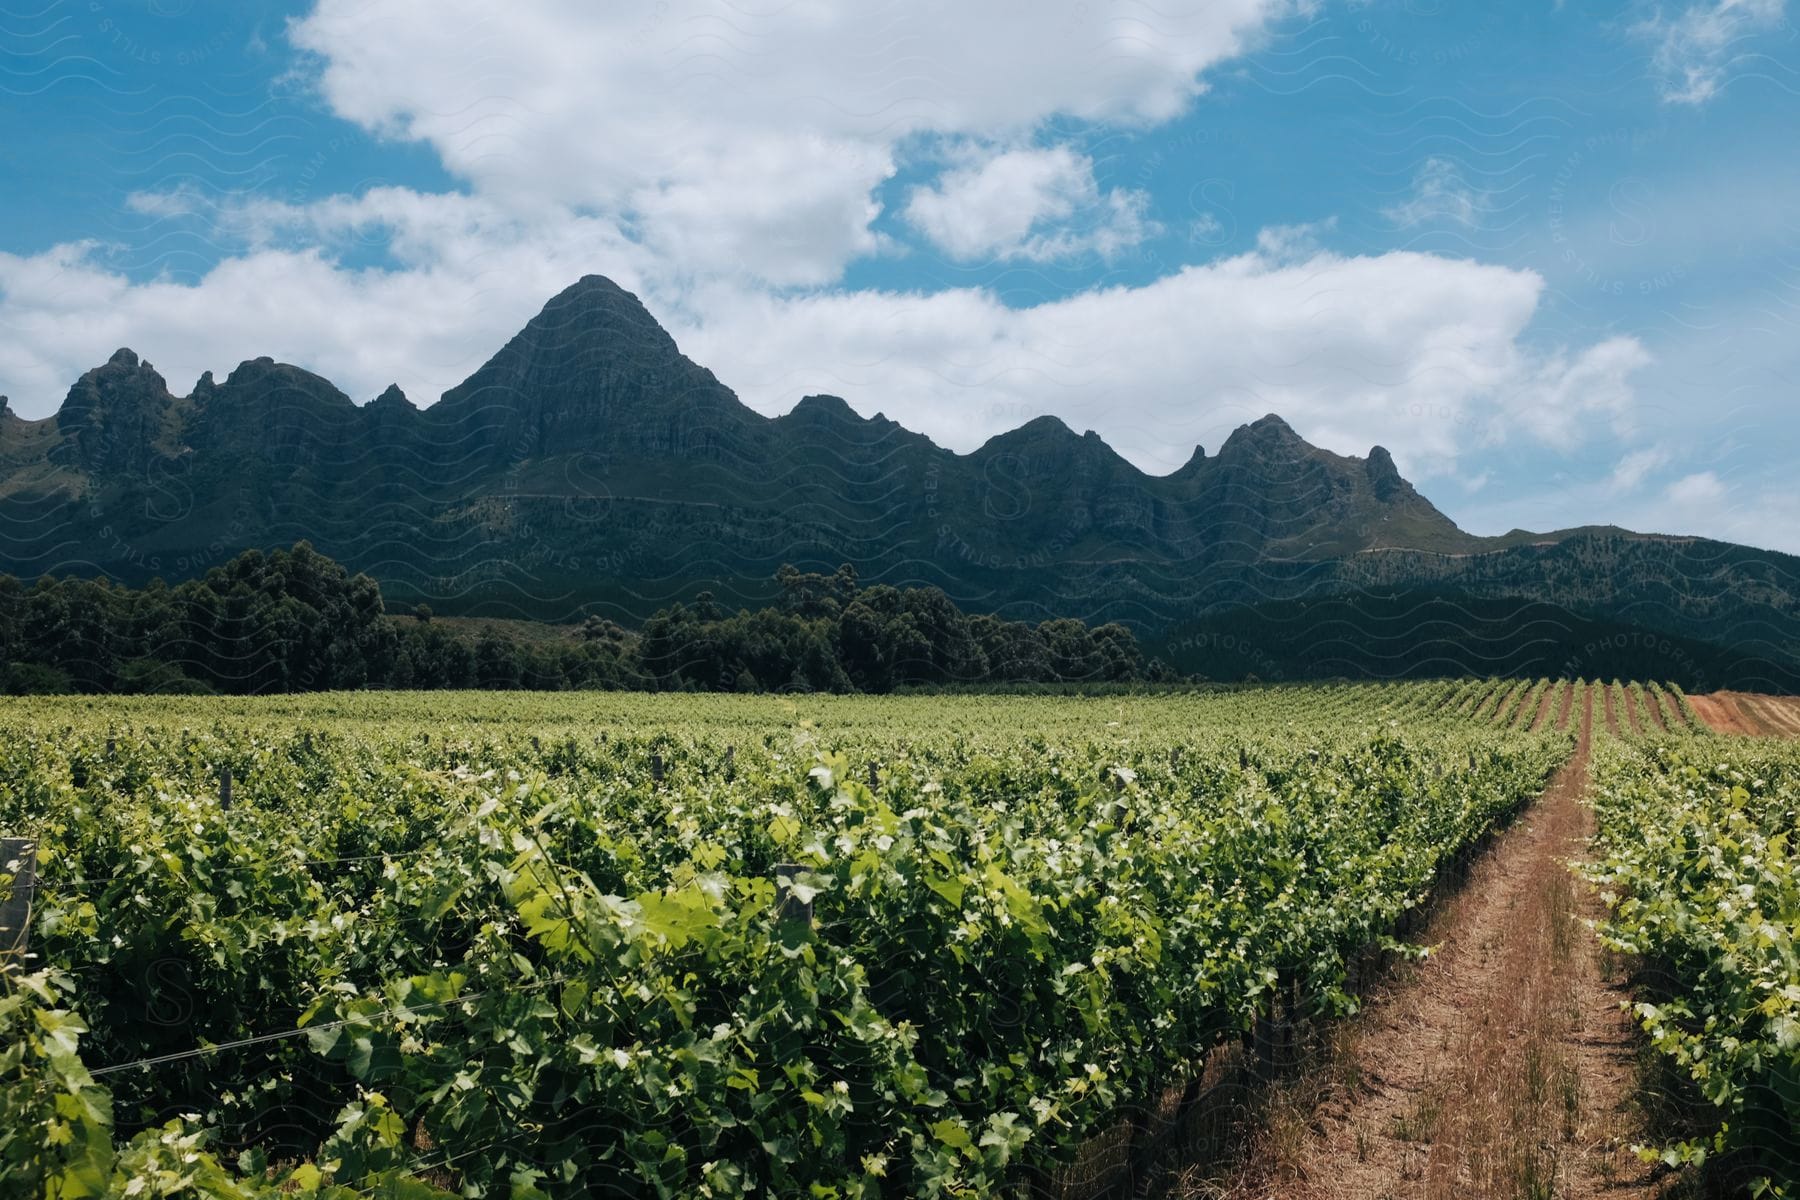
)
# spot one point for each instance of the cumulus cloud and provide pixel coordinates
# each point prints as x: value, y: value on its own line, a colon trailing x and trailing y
x: 1403, y: 348
x: 1035, y: 203
x: 1410, y: 350
x: 467, y: 276
x: 726, y: 163
x: 748, y: 139
x: 1693, y: 49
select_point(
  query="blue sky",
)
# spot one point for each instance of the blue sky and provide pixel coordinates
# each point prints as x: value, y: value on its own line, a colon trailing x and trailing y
x: 1548, y: 254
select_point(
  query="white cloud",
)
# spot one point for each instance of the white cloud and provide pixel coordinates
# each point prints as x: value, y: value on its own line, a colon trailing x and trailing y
x: 1410, y: 350
x: 1694, y: 49
x: 1439, y: 195
x: 1635, y: 467
x: 1701, y: 488
x: 1557, y: 396
x: 1753, y: 511
x: 1035, y: 203
x: 747, y: 139
x: 468, y: 277
x: 1206, y: 230
x: 435, y: 69
x: 1291, y: 243
x: 711, y: 156
x: 788, y: 211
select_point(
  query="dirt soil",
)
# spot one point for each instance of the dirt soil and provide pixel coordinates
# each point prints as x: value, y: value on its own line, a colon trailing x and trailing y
x: 1749, y: 713
x: 1566, y: 705
x: 1779, y: 716
x: 1501, y: 1066
x: 1546, y: 708
x: 1653, y: 713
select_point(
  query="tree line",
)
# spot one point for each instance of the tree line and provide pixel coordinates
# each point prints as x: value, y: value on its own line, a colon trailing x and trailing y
x: 295, y: 620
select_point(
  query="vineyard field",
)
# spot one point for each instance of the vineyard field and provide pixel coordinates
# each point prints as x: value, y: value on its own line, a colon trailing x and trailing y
x: 694, y: 946
x: 1695, y: 858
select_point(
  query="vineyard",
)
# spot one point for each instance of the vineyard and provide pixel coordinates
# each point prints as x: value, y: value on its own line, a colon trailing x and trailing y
x: 524, y: 945
x: 1696, y: 858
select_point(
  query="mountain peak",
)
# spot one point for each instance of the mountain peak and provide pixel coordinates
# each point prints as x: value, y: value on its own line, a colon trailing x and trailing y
x: 592, y: 327
x: 1384, y: 476
x: 1046, y: 426
x: 112, y: 417
x: 596, y: 299
x: 1037, y: 431
x: 826, y: 409
x: 592, y: 371
x: 283, y: 383
x: 1194, y: 465
x: 392, y: 397
x: 592, y: 284
x: 1053, y: 450
x: 1269, y: 427
x: 1265, y: 437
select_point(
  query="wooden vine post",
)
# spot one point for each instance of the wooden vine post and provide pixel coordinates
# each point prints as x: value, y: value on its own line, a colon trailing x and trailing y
x: 225, y: 789
x: 18, y: 861
x: 788, y: 906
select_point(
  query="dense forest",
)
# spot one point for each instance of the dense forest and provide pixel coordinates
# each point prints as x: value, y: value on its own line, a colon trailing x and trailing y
x: 294, y: 620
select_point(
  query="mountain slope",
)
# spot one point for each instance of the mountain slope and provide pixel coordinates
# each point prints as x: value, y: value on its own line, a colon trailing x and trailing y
x: 590, y: 466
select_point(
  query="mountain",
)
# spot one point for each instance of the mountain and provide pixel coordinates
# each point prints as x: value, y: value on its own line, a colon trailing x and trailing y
x: 590, y: 467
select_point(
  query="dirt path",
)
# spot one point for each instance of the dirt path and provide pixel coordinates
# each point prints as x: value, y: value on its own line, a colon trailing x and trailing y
x: 1653, y: 712
x: 1525, y: 713
x: 1468, y: 706
x: 1500, y: 1067
x: 1508, y: 714
x: 1612, y: 712
x: 1546, y: 707
x: 1633, y: 717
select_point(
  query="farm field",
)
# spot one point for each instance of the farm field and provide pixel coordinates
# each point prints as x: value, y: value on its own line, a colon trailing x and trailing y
x: 1525, y: 1057
x: 531, y: 945
x: 1694, y: 856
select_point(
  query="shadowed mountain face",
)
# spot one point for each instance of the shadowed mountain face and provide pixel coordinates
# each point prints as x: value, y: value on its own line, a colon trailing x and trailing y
x: 590, y: 467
